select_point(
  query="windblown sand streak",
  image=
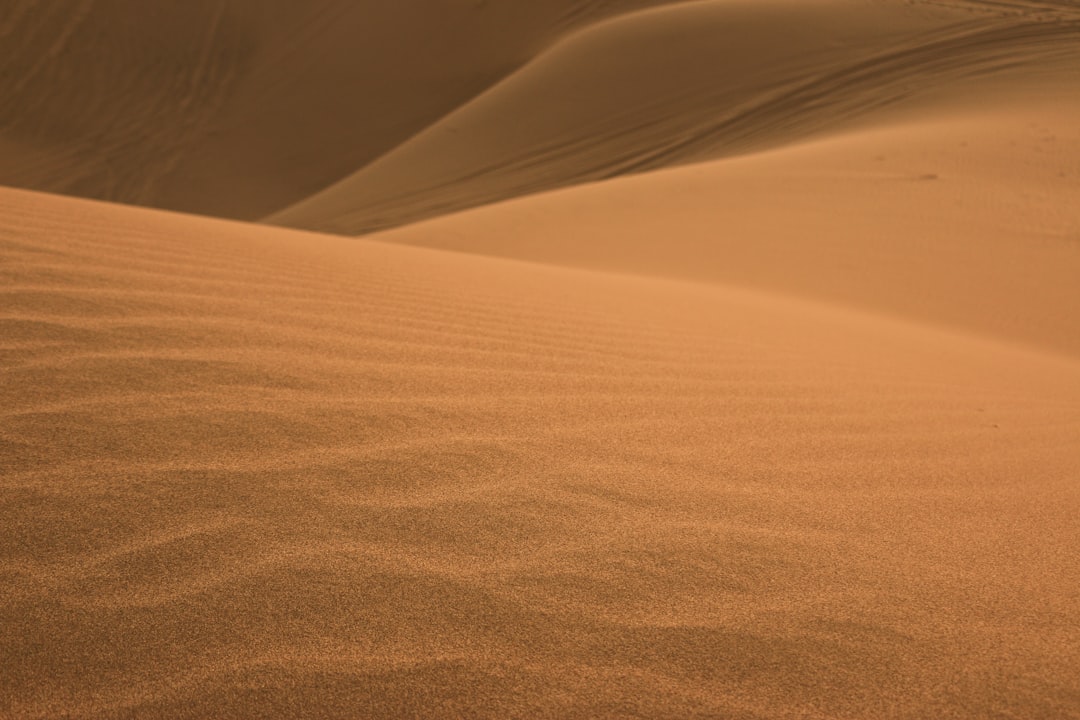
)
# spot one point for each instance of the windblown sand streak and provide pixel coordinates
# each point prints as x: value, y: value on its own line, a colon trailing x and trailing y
x: 452, y: 168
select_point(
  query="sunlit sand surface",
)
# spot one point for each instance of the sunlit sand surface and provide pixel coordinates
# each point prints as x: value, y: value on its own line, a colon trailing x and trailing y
x: 699, y: 359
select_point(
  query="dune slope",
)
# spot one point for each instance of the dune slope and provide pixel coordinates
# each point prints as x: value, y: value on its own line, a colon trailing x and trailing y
x: 238, y: 108
x: 251, y: 472
x: 969, y: 218
x: 691, y: 81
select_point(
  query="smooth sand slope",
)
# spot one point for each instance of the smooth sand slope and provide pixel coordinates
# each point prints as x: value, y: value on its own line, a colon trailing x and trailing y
x: 969, y: 218
x: 356, y: 115
x: 238, y: 108
x: 251, y: 472
x: 686, y: 82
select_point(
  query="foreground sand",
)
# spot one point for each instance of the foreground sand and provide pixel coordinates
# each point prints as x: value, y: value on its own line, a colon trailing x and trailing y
x: 251, y: 472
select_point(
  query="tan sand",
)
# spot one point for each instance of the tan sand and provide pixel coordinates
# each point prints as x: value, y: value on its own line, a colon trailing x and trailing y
x: 785, y: 425
x: 970, y: 219
x: 251, y: 472
x: 692, y: 81
x: 237, y: 108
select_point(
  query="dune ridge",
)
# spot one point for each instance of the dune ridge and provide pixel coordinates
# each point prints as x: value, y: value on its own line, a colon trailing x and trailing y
x: 689, y: 82
x: 250, y: 471
x: 237, y: 108
x: 964, y: 219
x: 234, y: 108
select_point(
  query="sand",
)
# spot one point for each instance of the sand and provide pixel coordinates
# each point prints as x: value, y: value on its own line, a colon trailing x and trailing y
x: 237, y: 108
x: 691, y: 81
x: 251, y: 472
x: 967, y: 219
x: 778, y: 416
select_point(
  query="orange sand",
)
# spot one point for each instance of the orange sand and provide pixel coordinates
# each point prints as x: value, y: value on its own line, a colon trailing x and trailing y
x: 252, y: 472
x: 786, y: 425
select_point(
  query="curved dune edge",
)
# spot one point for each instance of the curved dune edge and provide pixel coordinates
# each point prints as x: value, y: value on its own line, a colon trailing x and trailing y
x: 237, y: 108
x: 689, y: 82
x: 966, y: 220
x: 249, y: 471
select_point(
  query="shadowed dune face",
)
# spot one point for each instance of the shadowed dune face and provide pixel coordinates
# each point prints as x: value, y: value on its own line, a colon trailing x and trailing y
x: 250, y: 472
x: 238, y: 108
x: 689, y: 82
x: 355, y: 116
x: 98, y: 100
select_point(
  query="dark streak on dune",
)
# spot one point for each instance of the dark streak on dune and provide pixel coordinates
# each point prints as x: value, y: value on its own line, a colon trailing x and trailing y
x: 861, y: 88
x: 440, y: 177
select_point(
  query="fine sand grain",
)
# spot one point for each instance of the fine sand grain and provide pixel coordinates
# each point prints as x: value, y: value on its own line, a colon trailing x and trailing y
x: 252, y: 472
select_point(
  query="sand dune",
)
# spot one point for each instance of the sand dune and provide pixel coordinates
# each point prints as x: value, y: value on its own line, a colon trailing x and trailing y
x: 968, y: 220
x: 238, y: 108
x: 783, y: 424
x: 355, y: 116
x: 253, y: 472
x: 693, y: 81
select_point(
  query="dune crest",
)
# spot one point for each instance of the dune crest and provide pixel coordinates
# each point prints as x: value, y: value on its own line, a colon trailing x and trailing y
x: 238, y: 108
x: 967, y: 220
x: 688, y: 82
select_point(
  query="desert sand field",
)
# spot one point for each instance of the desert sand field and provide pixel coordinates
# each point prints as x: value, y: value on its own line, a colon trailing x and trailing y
x: 540, y: 359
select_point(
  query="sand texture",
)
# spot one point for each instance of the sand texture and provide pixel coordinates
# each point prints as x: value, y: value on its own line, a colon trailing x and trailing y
x: 252, y: 471
x: 703, y: 359
x: 238, y: 108
x: 691, y: 81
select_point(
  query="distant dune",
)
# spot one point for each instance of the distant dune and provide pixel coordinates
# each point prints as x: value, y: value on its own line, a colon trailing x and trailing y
x: 251, y: 472
x: 969, y: 218
x: 355, y: 116
x: 692, y: 81
x: 701, y: 359
x: 238, y: 108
